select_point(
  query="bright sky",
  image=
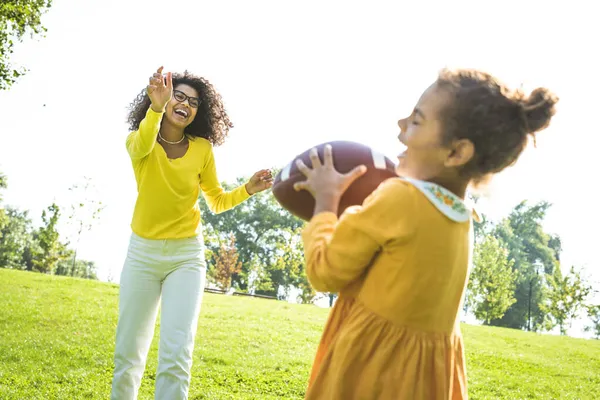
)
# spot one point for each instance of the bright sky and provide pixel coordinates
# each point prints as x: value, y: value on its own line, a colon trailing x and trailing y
x: 292, y: 75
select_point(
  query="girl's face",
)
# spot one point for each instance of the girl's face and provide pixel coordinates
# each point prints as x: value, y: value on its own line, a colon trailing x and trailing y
x: 427, y: 157
x: 183, y: 106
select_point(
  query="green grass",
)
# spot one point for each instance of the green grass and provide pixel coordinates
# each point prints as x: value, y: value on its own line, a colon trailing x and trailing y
x: 57, y: 334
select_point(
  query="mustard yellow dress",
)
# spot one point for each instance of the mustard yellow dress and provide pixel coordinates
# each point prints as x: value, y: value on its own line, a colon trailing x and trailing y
x: 400, y: 263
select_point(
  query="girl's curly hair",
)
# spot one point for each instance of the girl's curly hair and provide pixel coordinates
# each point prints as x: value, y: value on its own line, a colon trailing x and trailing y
x: 211, y: 122
x: 496, y: 119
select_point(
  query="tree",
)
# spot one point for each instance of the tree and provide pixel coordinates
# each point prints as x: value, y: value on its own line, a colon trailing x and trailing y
x: 258, y: 278
x: 85, y: 212
x: 3, y: 183
x: 492, y: 282
x: 22, y: 247
x: 86, y: 269
x: 480, y: 228
x: 15, y: 237
x: 3, y: 217
x: 18, y: 18
x: 307, y: 295
x: 288, y: 268
x: 256, y: 224
x: 535, y: 254
x: 49, y: 250
x: 555, y: 244
x: 593, y: 312
x: 226, y: 265
x: 565, y: 297
x: 83, y: 268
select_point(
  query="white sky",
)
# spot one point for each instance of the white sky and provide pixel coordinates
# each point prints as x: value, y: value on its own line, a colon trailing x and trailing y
x: 294, y: 74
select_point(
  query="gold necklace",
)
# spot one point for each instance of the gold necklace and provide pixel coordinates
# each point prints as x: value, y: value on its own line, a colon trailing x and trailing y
x: 167, y: 142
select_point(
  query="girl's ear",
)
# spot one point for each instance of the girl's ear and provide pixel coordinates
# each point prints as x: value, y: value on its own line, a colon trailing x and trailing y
x: 462, y: 151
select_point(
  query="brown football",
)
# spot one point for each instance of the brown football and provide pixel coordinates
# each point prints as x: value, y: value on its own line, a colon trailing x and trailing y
x: 346, y: 156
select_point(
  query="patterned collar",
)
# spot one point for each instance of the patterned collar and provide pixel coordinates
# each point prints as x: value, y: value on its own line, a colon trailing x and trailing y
x: 447, y: 202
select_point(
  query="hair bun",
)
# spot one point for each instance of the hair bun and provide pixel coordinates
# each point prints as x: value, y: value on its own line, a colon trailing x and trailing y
x: 538, y: 109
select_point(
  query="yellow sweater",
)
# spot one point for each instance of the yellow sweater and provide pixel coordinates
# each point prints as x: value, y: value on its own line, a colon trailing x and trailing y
x: 168, y: 190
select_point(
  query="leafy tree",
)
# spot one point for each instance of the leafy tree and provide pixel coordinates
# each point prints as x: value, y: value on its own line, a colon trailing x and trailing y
x: 257, y: 225
x: 49, y: 250
x: 15, y: 237
x: 480, y: 228
x: 492, y: 282
x: 83, y: 269
x: 534, y: 254
x: 86, y: 269
x: 85, y: 212
x: 565, y: 297
x: 3, y: 183
x: 29, y: 255
x: 17, y: 18
x: 259, y: 279
x: 307, y: 295
x: 593, y: 312
x: 555, y: 244
x: 226, y: 264
x: 3, y: 218
x: 22, y: 247
x: 288, y: 268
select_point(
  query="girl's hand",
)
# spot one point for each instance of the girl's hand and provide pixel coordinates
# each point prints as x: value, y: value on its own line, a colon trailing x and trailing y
x: 160, y: 90
x: 324, y: 182
x: 261, y: 180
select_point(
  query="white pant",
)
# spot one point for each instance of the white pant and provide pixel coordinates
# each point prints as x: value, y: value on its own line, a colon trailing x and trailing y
x: 177, y: 269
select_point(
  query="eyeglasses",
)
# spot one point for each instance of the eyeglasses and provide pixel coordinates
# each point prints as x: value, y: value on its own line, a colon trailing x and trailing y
x: 181, y: 97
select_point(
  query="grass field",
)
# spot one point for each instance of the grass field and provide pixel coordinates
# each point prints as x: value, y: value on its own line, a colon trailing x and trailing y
x: 56, y: 342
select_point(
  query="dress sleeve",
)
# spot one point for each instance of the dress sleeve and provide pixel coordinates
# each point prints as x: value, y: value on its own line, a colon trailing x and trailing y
x: 338, y: 252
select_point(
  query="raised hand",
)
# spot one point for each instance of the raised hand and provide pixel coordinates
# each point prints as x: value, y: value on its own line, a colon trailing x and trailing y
x: 261, y: 180
x: 160, y: 90
x: 323, y: 181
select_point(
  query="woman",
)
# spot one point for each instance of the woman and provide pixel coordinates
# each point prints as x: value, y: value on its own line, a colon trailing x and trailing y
x: 175, y: 123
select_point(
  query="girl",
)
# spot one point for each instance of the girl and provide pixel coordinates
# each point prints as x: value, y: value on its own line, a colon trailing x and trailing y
x: 401, y: 259
x: 175, y: 123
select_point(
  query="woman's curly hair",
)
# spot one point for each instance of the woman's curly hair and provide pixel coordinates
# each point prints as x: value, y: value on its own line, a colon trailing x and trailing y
x: 497, y: 120
x: 211, y: 122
